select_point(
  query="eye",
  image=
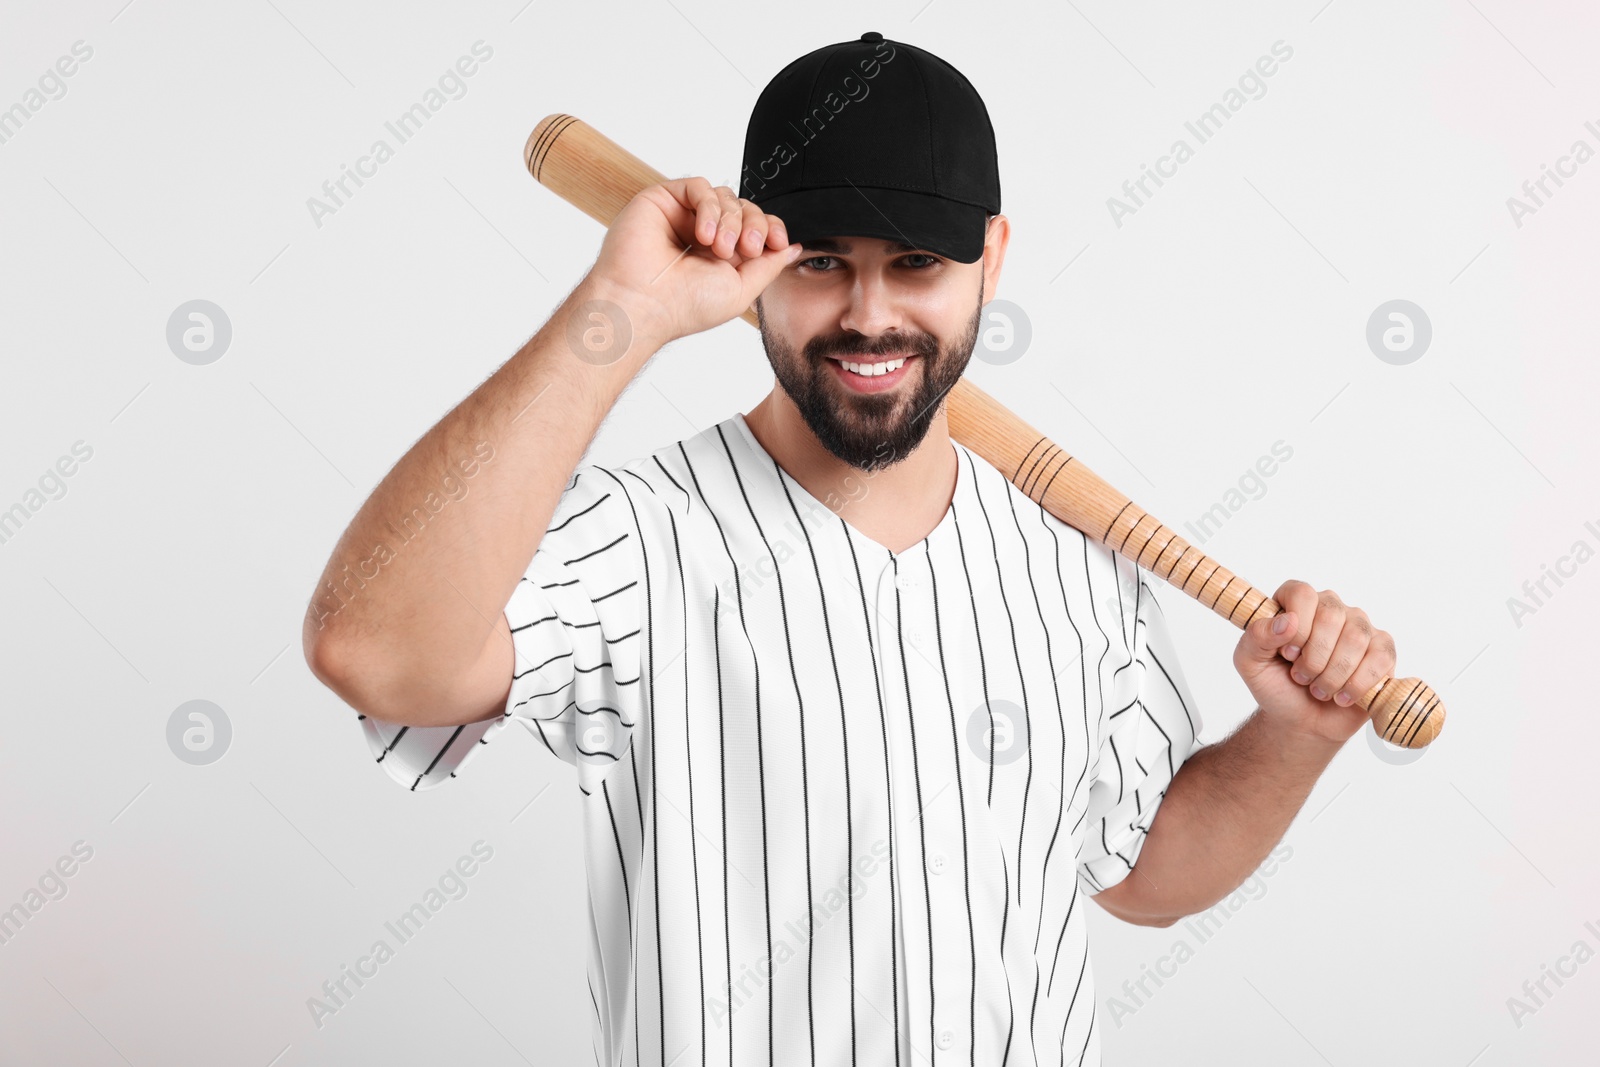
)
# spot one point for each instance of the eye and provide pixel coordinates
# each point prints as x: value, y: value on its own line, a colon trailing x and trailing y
x: 924, y: 261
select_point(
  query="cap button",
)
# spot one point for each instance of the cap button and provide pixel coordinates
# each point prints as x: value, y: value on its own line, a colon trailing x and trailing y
x: 872, y: 36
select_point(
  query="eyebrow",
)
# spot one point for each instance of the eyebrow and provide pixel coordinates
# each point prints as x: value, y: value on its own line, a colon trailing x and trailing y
x: 842, y: 248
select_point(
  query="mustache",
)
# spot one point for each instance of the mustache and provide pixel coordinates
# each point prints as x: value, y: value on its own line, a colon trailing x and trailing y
x: 921, y: 344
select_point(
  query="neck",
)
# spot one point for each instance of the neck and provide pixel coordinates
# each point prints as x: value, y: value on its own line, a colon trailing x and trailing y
x: 896, y: 506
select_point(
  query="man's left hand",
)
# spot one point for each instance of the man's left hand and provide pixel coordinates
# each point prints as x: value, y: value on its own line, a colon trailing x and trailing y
x: 1332, y: 654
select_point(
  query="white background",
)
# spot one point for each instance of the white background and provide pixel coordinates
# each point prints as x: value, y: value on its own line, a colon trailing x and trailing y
x: 1169, y: 353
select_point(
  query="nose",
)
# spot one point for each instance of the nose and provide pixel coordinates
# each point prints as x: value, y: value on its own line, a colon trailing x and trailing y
x: 872, y: 309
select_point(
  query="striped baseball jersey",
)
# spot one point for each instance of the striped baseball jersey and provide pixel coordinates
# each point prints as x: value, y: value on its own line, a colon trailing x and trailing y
x: 841, y: 805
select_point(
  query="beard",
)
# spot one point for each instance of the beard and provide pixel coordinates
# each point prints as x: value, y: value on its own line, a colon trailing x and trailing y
x: 870, y: 431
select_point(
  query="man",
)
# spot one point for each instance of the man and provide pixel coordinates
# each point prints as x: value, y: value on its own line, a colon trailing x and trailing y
x: 858, y: 726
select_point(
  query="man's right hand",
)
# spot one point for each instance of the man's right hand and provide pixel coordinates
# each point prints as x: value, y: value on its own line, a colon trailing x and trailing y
x: 735, y: 250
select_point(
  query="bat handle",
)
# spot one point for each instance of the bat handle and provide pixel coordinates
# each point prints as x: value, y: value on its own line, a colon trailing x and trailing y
x: 1404, y: 711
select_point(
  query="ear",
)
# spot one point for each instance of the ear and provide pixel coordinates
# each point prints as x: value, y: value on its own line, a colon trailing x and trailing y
x: 997, y: 236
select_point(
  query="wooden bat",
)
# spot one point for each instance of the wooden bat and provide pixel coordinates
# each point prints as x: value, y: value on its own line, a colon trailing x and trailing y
x: 595, y: 174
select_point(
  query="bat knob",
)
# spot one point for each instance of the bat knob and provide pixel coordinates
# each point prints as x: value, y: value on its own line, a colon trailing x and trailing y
x: 1405, y: 711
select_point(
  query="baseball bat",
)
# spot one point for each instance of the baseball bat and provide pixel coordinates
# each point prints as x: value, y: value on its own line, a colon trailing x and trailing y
x: 599, y: 176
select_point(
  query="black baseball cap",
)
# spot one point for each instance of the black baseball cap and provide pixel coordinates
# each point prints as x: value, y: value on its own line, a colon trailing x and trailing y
x: 874, y: 138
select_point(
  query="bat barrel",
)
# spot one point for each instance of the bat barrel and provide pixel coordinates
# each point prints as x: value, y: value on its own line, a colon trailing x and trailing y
x: 585, y: 167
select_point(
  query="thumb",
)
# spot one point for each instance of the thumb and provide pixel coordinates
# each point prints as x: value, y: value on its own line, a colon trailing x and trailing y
x: 1262, y: 640
x: 758, y: 273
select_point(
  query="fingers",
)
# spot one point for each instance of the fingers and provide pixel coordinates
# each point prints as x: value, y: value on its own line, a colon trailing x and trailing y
x: 744, y: 228
x: 1326, y: 622
x: 1348, y: 650
x: 719, y: 217
x: 1300, y: 598
x: 728, y: 225
x: 777, y: 233
x: 756, y: 224
x: 1337, y: 653
x: 761, y: 232
x: 758, y: 273
x: 702, y: 201
x: 1376, y: 665
x: 1261, y: 645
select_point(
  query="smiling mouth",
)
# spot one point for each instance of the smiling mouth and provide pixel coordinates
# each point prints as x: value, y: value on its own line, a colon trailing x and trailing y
x: 873, y: 366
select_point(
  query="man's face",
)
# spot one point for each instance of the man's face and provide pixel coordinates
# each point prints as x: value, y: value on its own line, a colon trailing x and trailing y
x: 862, y: 300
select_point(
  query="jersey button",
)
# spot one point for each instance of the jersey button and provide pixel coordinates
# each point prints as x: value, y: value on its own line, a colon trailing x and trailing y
x: 946, y: 1039
x: 936, y: 863
x: 916, y: 637
x: 905, y: 581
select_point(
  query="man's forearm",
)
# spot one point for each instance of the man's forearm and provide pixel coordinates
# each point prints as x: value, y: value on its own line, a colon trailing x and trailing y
x: 393, y: 588
x: 1224, y: 810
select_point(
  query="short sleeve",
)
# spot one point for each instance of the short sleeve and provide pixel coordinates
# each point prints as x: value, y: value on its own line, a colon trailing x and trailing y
x: 1150, y: 725
x: 576, y: 622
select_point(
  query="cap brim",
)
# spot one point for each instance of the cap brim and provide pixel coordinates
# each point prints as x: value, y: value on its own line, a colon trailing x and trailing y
x: 943, y: 227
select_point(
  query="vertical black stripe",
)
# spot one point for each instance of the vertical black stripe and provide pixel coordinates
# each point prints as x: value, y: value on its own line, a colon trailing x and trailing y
x: 961, y: 797
x: 844, y: 732
x: 760, y: 746
x: 883, y: 723
x: 688, y: 760
x: 761, y: 775
x: 648, y: 671
x: 805, y: 786
x: 1050, y: 661
x: 916, y: 774
x: 1005, y: 922
x: 1027, y: 711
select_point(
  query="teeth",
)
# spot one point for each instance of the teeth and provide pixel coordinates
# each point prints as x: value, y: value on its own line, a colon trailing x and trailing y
x: 872, y: 370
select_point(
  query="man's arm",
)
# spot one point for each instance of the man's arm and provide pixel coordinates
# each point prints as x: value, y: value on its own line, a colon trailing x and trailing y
x: 417, y: 635
x: 413, y: 631
x: 1229, y: 803
x: 1225, y: 809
